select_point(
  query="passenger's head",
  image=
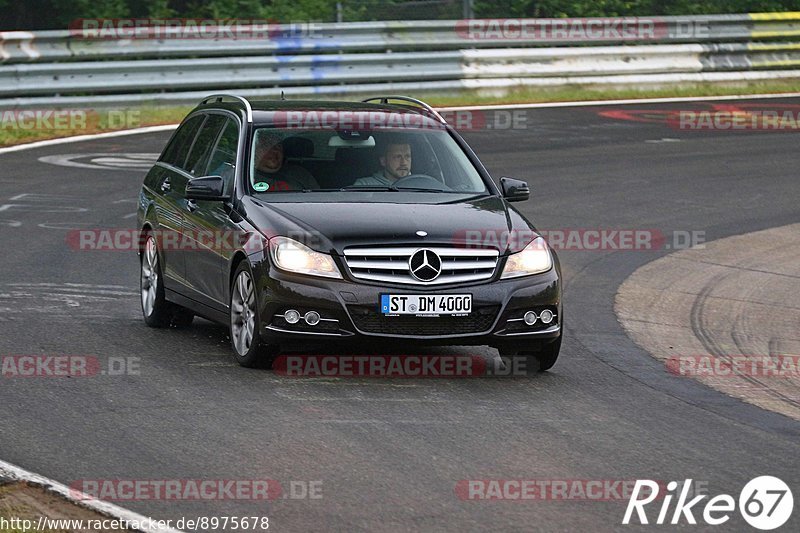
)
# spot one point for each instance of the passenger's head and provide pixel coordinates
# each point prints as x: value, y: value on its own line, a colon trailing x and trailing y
x: 269, y: 153
x: 396, y: 159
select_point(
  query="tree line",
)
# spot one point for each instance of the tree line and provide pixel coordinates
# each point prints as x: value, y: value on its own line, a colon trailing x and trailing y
x: 58, y: 14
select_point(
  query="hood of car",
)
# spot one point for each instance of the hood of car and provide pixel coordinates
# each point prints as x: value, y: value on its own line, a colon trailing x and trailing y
x: 400, y: 219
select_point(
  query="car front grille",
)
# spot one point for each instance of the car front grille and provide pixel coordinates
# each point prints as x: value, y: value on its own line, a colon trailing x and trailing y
x: 369, y: 320
x: 391, y: 264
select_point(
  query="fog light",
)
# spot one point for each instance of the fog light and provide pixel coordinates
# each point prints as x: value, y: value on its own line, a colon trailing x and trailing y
x: 291, y: 316
x: 312, y: 318
x: 546, y: 316
x: 530, y: 318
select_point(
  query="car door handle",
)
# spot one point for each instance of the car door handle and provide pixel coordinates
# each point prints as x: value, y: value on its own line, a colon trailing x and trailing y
x: 166, y: 186
x: 191, y: 205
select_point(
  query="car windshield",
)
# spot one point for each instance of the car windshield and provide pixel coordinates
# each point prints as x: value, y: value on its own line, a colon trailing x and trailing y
x: 420, y: 160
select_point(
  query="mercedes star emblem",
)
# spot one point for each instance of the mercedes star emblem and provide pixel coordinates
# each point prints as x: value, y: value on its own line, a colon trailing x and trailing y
x: 425, y: 265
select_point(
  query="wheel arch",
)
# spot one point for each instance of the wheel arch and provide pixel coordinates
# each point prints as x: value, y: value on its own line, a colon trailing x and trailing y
x: 236, y: 260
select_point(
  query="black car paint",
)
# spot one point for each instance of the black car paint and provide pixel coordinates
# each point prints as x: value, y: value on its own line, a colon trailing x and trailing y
x: 329, y: 222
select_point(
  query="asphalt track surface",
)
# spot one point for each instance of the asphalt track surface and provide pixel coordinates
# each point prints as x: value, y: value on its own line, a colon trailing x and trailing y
x: 390, y: 453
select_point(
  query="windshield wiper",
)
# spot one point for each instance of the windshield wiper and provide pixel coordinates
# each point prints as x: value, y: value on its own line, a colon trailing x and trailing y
x: 421, y: 189
x: 370, y: 188
x: 392, y: 188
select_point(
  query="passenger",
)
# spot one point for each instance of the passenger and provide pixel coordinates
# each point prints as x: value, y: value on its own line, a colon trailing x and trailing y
x: 273, y: 172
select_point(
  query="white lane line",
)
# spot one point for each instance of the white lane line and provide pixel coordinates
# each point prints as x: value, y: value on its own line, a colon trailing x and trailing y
x: 374, y: 421
x: 64, y: 225
x: 87, y: 285
x: 47, y: 209
x: 663, y: 140
x: 103, y: 160
x: 12, y: 472
x: 586, y: 103
x: 36, y: 197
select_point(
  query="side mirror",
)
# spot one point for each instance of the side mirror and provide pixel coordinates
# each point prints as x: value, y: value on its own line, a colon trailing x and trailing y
x: 206, y: 188
x: 515, y: 190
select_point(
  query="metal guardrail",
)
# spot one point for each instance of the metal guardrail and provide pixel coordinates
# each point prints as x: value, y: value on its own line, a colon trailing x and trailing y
x: 373, y: 36
x: 61, y: 67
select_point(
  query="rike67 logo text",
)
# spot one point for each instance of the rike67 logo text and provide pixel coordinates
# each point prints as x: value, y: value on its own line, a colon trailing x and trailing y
x: 765, y: 503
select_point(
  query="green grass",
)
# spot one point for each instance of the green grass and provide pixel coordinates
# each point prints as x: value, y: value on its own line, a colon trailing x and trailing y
x: 14, y: 130
x: 99, y: 121
x: 528, y: 95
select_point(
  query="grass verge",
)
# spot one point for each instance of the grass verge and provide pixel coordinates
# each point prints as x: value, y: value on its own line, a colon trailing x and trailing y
x: 22, y: 504
x: 25, y: 126
x: 530, y: 95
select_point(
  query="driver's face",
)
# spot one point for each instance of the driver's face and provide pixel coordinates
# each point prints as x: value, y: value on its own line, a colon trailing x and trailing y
x: 269, y: 159
x: 397, y: 161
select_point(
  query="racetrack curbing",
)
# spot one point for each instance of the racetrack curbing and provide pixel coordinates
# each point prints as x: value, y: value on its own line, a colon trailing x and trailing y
x: 726, y: 315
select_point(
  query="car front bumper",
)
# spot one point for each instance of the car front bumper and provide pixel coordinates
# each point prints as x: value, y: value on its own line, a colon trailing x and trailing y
x: 350, y: 311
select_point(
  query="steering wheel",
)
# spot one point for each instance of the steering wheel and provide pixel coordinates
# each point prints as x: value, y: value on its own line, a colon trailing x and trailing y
x: 422, y: 181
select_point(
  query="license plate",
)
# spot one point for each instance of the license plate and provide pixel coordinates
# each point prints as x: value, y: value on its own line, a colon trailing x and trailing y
x: 421, y: 305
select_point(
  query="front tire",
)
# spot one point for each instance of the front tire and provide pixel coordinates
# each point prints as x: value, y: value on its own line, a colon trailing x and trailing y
x: 248, y: 348
x: 535, y: 362
x: 155, y: 308
x: 547, y: 356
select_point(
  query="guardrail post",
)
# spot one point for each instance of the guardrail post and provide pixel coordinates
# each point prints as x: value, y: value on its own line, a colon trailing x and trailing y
x: 469, y: 9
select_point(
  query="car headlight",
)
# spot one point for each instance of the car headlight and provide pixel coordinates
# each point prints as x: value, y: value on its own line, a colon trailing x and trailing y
x: 533, y: 259
x: 292, y: 256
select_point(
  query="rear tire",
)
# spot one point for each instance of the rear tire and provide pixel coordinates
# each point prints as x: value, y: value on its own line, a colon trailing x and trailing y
x: 249, y: 349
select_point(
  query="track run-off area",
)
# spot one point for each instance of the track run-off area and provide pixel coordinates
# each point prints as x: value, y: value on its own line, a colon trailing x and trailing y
x: 368, y: 454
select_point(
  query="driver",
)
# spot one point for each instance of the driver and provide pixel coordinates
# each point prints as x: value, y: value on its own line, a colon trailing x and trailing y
x: 273, y: 172
x: 395, y: 164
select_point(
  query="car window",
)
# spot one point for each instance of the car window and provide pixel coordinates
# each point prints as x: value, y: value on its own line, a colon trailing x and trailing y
x: 340, y: 159
x: 175, y: 152
x: 197, y: 162
x: 223, y: 157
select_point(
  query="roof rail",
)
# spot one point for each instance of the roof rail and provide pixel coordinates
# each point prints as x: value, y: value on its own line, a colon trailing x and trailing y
x: 241, y: 99
x: 420, y: 103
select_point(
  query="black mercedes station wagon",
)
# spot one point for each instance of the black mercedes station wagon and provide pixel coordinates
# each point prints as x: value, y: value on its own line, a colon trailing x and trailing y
x: 365, y: 222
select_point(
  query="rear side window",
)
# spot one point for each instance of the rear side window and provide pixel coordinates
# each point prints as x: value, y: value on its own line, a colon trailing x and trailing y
x: 197, y: 162
x: 223, y: 158
x: 175, y: 152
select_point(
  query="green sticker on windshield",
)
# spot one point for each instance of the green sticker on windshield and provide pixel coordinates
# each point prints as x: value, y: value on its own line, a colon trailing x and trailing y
x: 261, y: 186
